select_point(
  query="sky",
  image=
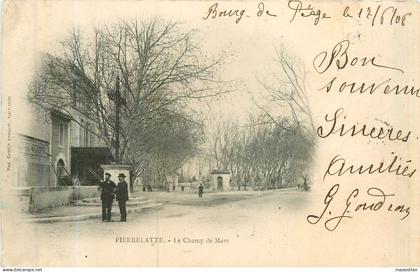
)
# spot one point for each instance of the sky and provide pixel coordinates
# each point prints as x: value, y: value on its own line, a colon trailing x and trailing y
x: 250, y: 48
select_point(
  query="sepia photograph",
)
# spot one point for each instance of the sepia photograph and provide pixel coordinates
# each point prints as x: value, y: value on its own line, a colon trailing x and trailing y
x: 199, y: 133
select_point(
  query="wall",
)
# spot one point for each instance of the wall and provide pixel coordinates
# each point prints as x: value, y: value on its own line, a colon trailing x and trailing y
x: 33, y: 162
x: 37, y: 198
x: 33, y: 121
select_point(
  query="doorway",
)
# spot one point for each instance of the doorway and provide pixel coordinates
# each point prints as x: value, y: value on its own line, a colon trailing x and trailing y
x: 219, y: 184
x: 63, y: 178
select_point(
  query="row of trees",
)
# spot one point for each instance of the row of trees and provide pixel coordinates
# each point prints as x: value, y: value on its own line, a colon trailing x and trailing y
x: 134, y: 80
x: 274, y: 148
x: 263, y: 154
x: 273, y: 152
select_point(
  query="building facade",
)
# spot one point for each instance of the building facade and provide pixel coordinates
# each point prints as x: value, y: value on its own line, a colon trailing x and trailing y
x: 55, y: 148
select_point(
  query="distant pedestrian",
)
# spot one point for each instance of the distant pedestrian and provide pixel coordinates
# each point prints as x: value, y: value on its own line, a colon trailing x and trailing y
x: 173, y: 187
x: 149, y: 188
x: 182, y: 187
x: 200, y: 190
x: 144, y: 188
x: 305, y: 185
x: 107, y: 197
x: 122, y: 196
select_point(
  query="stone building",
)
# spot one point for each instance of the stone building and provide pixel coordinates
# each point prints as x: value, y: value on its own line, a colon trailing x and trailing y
x: 220, y: 180
x: 53, y: 149
x: 32, y: 162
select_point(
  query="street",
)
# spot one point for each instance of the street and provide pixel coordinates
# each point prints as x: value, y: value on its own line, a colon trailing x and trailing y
x: 182, y: 228
x: 268, y: 229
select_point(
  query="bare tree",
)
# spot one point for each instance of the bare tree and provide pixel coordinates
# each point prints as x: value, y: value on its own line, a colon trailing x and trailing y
x: 221, y: 140
x: 288, y: 88
x: 175, y: 141
x: 148, y: 69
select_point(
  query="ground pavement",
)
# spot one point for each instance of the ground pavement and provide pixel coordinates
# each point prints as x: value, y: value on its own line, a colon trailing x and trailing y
x: 139, y: 202
x: 234, y: 223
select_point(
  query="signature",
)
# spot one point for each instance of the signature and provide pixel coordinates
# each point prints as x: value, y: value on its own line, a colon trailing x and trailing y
x: 351, y: 206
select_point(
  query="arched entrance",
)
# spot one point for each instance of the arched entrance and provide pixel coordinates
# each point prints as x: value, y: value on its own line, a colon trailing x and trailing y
x: 219, y: 184
x: 62, y: 175
x: 60, y: 168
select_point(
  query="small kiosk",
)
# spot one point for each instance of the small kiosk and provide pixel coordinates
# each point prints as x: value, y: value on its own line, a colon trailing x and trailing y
x: 220, y: 180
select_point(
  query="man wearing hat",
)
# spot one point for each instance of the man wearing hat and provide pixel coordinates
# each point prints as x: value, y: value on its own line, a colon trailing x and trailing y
x: 122, y: 196
x: 107, y: 196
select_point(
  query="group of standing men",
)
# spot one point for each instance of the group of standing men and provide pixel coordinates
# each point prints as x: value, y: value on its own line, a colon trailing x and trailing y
x: 109, y: 191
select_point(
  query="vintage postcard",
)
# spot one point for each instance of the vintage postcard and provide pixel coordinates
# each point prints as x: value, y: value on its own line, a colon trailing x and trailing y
x: 210, y: 133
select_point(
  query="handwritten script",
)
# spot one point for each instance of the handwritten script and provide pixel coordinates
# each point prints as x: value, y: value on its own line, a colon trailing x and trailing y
x: 373, y: 15
x: 384, y: 78
x: 336, y: 124
x: 379, y: 201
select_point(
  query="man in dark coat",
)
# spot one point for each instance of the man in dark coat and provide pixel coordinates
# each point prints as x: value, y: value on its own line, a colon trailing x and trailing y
x: 107, y: 196
x: 122, y: 196
x: 200, y: 190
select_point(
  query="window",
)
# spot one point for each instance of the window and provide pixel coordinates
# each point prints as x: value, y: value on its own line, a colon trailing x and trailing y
x: 86, y: 135
x: 61, y: 131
